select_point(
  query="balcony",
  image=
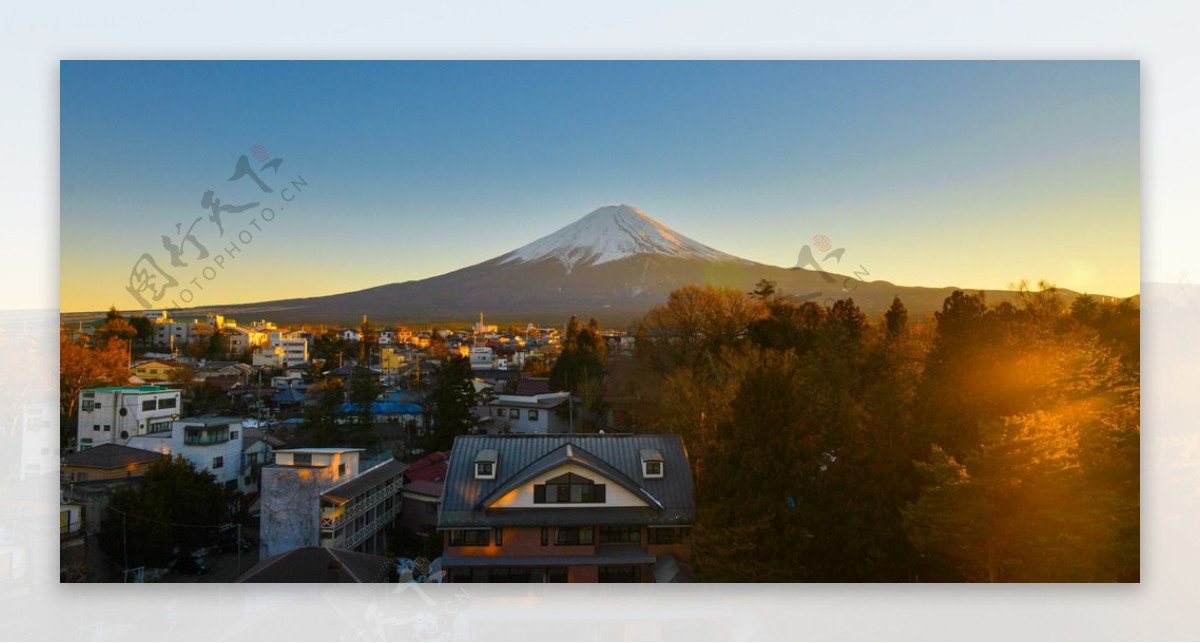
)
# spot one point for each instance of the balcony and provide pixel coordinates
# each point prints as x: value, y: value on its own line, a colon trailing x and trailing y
x: 365, y: 503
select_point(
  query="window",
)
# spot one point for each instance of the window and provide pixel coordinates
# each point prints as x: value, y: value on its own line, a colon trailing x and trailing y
x: 98, y: 406
x: 108, y: 427
x: 568, y: 488
x: 88, y: 405
x: 166, y: 403
x: 469, y: 538
x: 499, y: 412
x: 233, y: 435
x: 620, y: 534
x: 218, y: 462
x: 301, y: 458
x: 545, y: 536
x: 533, y: 415
x: 148, y: 405
x: 483, y: 470
x: 573, y: 536
x: 499, y: 536
x: 665, y: 535
x: 654, y: 470
x: 514, y: 414
x: 95, y: 427
x: 620, y: 574
x: 156, y: 427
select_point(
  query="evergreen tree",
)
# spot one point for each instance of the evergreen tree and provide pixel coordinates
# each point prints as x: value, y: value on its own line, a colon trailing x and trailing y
x: 177, y: 511
x: 452, y: 403
x: 896, y: 318
x: 364, y: 391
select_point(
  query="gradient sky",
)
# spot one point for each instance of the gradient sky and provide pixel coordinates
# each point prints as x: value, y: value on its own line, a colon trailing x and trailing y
x: 969, y: 174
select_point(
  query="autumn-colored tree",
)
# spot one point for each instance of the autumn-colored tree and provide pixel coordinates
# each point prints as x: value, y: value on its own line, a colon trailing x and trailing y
x: 81, y: 367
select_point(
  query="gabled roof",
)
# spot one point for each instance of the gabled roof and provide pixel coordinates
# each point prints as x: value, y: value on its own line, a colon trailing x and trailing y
x: 431, y: 467
x: 568, y: 453
x: 320, y: 565
x: 533, y: 386
x: 289, y: 396
x: 111, y: 456
x: 523, y: 457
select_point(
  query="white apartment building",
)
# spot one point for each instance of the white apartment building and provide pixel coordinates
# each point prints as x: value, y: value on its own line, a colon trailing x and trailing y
x: 211, y: 444
x: 114, y: 414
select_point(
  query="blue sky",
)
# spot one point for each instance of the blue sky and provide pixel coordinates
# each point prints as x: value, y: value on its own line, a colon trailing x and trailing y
x: 972, y: 174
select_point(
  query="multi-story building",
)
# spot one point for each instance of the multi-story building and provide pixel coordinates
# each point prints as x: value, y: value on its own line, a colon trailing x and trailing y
x: 211, y: 444
x: 567, y: 508
x: 113, y: 415
x: 321, y: 498
x: 540, y: 413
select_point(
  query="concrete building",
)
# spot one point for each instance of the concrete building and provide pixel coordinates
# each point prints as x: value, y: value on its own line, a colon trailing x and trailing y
x: 114, y: 414
x: 320, y: 498
x: 567, y: 508
x: 211, y: 444
x: 538, y: 413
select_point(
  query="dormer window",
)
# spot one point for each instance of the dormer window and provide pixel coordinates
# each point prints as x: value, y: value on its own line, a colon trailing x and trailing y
x: 652, y: 463
x: 485, y: 464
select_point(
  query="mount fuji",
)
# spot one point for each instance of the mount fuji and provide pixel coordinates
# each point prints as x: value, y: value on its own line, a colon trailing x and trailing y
x: 614, y: 264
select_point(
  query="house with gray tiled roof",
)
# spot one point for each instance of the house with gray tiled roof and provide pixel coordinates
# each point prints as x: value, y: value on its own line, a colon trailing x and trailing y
x: 567, y: 508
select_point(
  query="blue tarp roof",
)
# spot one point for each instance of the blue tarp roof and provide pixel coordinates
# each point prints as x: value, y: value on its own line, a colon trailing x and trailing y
x: 290, y: 395
x: 382, y: 408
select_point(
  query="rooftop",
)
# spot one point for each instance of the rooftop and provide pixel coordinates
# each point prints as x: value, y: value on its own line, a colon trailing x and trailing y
x: 111, y: 456
x: 362, y: 482
x: 148, y: 388
x: 320, y: 565
x: 520, y: 458
x: 210, y: 421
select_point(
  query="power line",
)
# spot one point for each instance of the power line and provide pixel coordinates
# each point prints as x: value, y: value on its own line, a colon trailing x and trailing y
x: 160, y: 522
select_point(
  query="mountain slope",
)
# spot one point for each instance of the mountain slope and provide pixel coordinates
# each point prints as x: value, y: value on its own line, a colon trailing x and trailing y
x: 615, y: 264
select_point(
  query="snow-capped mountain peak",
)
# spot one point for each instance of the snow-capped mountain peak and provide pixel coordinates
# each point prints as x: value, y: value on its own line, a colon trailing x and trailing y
x: 611, y: 233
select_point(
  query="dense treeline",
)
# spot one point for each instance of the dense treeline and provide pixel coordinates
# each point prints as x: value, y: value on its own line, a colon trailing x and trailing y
x: 995, y: 443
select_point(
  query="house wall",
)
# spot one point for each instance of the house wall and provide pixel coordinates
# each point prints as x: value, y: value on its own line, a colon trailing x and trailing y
x: 614, y: 494
x: 291, y: 508
x: 91, y: 474
x: 415, y: 516
x: 230, y: 451
x: 136, y: 421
